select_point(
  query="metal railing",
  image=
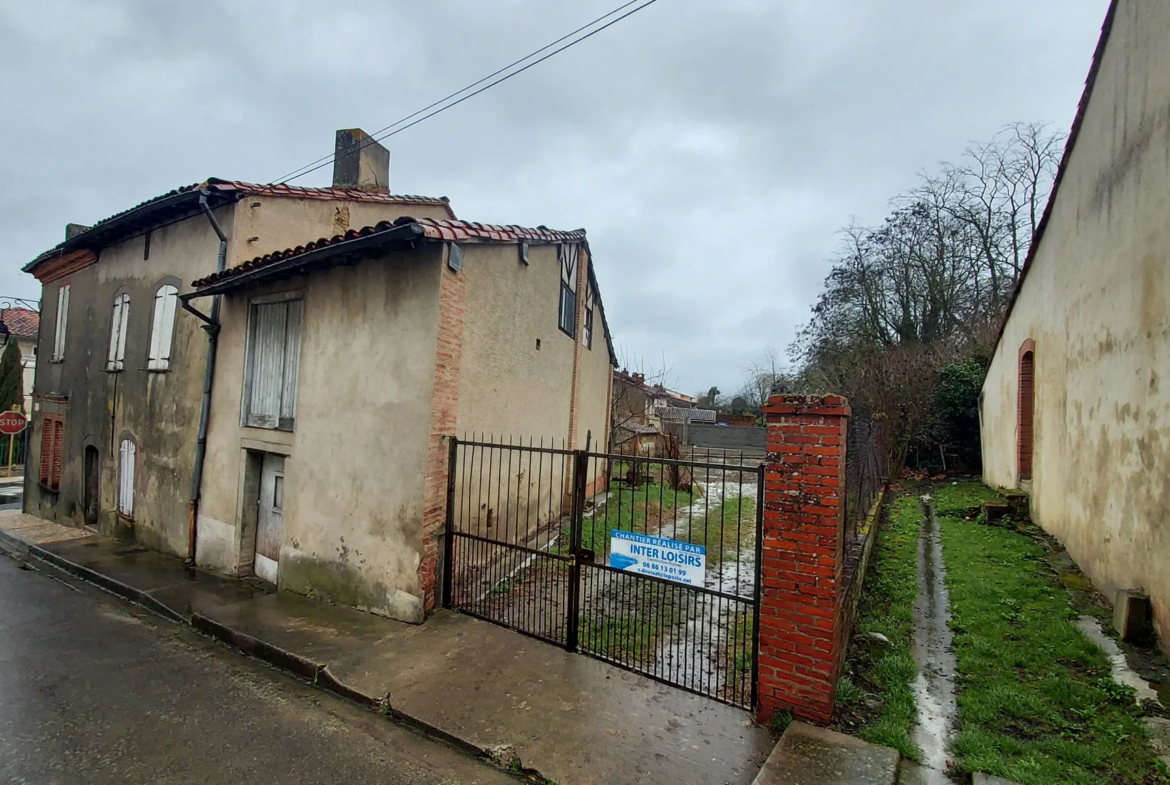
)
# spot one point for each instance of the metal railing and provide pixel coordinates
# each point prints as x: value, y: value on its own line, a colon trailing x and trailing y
x: 647, y: 563
x: 866, y: 469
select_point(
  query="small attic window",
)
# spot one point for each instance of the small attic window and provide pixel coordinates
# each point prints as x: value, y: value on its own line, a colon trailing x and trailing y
x: 455, y: 257
x: 524, y: 254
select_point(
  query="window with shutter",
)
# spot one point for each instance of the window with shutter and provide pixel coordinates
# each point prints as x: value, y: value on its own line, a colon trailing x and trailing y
x: 587, y: 333
x: 568, y: 305
x: 126, y: 478
x: 115, y: 357
x: 274, y: 351
x: 62, y: 321
x: 46, y: 448
x: 52, y: 437
x: 58, y: 445
x: 162, y: 328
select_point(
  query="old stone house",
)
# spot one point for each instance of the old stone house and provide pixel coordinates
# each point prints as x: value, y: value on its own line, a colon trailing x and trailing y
x: 345, y: 363
x: 1074, y: 406
x: 147, y: 426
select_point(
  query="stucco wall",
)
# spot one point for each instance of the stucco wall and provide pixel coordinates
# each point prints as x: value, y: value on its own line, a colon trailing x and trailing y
x: 156, y: 410
x: 352, y: 520
x: 508, y: 387
x: 268, y: 223
x: 1096, y: 304
x: 594, y: 395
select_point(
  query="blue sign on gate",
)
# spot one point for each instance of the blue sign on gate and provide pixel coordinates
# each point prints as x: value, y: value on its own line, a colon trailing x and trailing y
x: 658, y: 557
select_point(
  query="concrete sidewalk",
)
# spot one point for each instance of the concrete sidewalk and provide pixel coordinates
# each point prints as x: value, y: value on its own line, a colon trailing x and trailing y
x: 527, y: 704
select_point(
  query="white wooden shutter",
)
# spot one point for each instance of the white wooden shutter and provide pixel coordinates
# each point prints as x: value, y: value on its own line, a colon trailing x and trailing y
x: 122, y: 330
x: 274, y: 364
x: 117, y: 352
x: 292, y: 362
x: 62, y: 321
x: 126, y: 479
x: 162, y: 329
x: 267, y: 367
x: 115, y: 324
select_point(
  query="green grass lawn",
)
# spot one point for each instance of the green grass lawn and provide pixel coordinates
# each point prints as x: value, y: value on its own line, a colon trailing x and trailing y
x: 639, y: 509
x: 883, y: 675
x: 648, y: 507
x: 957, y: 499
x: 1036, y: 702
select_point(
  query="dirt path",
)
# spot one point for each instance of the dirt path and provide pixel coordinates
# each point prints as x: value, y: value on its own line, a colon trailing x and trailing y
x: 708, y: 630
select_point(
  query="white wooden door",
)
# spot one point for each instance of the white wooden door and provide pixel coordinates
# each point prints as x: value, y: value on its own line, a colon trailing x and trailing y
x: 268, y: 518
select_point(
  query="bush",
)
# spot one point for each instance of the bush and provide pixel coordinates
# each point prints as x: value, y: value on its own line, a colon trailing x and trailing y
x: 956, y: 409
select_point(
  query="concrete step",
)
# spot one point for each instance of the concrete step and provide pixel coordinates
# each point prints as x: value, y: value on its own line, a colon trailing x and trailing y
x: 807, y: 755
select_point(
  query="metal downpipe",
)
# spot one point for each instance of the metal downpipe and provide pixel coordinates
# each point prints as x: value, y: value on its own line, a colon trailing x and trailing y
x: 208, y: 377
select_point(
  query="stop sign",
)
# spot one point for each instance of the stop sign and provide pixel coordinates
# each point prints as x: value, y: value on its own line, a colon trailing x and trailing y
x: 12, y: 423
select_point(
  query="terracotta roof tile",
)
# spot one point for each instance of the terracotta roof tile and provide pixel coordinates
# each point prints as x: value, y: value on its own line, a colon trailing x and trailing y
x: 303, y: 192
x: 242, y: 189
x: 21, y: 321
x: 449, y: 231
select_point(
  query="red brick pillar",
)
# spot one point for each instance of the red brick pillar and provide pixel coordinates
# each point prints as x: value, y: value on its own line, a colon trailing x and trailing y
x: 801, y: 643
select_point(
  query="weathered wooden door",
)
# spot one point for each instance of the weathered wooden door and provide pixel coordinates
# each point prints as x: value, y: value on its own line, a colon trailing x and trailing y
x: 268, y: 518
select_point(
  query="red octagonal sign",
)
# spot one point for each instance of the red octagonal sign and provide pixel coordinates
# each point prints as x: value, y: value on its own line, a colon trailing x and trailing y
x: 12, y: 423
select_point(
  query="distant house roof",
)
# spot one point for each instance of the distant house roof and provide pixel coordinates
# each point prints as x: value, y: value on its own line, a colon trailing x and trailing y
x: 400, y: 234
x: 21, y: 322
x: 655, y: 390
x: 184, y: 202
x: 1073, y: 135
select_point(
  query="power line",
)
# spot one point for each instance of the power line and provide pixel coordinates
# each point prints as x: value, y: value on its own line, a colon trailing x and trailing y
x: 296, y: 174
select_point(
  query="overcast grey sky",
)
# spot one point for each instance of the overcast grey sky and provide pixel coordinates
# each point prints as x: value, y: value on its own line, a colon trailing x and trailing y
x: 711, y: 149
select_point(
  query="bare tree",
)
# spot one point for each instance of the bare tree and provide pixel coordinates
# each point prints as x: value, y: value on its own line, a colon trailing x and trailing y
x: 633, y: 391
x: 929, y: 285
x: 765, y: 375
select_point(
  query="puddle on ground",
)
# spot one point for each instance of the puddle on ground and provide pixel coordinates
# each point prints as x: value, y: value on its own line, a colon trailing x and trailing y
x: 934, y: 687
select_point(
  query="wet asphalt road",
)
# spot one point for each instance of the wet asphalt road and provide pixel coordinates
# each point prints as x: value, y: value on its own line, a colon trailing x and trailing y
x: 97, y: 691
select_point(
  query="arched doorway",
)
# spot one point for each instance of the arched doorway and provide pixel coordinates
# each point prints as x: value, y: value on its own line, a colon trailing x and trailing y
x: 1025, y: 431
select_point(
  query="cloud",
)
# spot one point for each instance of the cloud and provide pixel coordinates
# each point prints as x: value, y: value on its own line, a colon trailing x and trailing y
x: 711, y: 150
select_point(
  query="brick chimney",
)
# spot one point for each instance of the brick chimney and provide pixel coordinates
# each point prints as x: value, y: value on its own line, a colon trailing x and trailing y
x: 360, y: 162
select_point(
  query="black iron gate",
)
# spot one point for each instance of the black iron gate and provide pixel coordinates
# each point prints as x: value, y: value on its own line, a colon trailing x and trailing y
x: 530, y: 529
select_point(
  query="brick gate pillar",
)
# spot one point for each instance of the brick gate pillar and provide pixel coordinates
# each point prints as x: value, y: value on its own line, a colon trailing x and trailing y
x: 802, y: 642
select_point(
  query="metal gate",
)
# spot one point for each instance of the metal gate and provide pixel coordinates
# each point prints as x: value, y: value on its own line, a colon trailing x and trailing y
x: 530, y: 528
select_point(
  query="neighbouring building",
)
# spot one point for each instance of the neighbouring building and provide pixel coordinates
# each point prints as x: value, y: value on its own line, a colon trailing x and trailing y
x: 649, y: 406
x: 343, y: 366
x: 299, y: 386
x: 1075, y: 407
x: 23, y: 325
x: 117, y: 397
